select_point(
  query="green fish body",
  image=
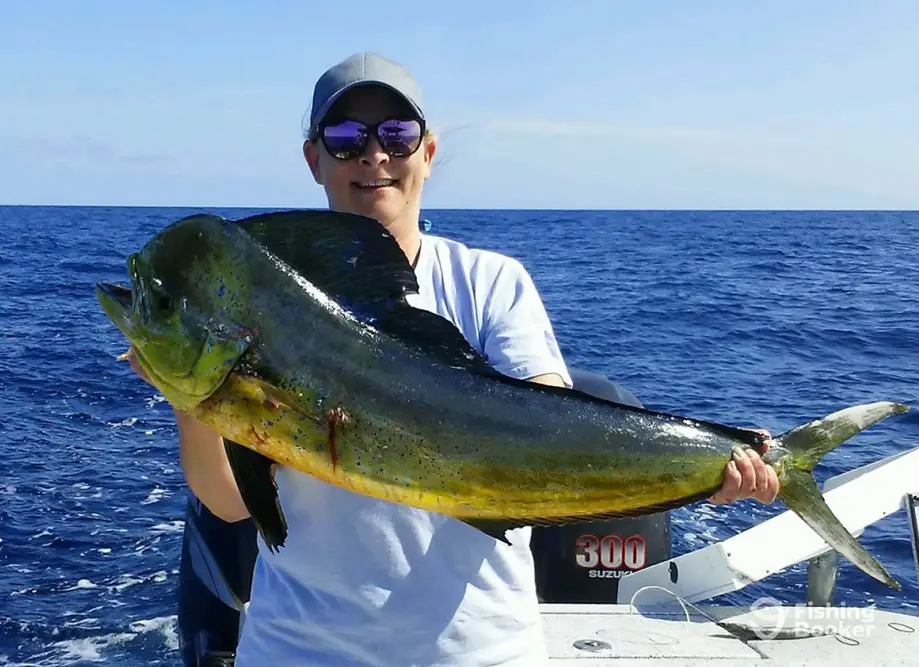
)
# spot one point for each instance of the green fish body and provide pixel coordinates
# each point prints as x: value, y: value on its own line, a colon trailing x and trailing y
x: 290, y: 335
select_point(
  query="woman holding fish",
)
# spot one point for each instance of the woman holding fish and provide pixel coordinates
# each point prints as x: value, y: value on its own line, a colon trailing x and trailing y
x: 362, y: 581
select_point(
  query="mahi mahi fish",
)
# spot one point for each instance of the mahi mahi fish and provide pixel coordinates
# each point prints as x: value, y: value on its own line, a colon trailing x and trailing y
x: 291, y: 335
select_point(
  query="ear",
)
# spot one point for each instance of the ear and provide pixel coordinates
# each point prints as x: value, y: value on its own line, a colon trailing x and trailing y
x: 311, y: 154
x: 430, y: 147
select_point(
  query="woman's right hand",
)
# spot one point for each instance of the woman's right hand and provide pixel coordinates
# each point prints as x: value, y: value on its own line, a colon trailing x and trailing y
x: 131, y: 357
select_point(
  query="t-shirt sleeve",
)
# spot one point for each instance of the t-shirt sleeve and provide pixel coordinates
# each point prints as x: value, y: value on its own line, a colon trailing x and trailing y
x: 517, y: 337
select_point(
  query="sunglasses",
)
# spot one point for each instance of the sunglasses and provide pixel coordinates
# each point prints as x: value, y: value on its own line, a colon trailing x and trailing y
x: 347, y: 139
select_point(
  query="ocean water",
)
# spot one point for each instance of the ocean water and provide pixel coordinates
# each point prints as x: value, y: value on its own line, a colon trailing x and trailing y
x: 765, y: 319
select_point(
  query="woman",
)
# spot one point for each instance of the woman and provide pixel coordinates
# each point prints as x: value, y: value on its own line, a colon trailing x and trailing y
x: 362, y: 581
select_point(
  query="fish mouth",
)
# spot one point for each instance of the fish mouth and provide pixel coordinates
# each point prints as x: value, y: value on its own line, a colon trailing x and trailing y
x: 117, y: 301
x: 119, y: 293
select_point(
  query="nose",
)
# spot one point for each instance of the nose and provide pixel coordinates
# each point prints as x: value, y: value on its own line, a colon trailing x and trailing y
x: 374, y: 155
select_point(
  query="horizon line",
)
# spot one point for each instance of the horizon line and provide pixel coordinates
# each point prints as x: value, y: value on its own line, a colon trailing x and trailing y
x: 753, y: 209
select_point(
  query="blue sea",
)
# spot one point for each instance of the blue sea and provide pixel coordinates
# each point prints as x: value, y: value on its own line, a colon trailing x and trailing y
x: 760, y: 319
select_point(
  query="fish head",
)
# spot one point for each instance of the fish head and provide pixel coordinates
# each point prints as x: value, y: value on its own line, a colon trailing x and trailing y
x: 172, y: 313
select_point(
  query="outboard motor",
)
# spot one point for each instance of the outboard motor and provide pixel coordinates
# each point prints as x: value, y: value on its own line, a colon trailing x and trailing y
x: 575, y: 563
x: 583, y: 562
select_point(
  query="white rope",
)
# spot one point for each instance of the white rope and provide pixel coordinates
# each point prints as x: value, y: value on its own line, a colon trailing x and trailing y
x: 683, y: 603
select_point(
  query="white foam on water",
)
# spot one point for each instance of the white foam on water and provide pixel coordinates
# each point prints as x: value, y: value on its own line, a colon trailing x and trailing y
x: 170, y: 527
x: 156, y: 495
x: 24, y: 591
x: 126, y: 581
x: 164, y: 625
x: 81, y: 584
x: 81, y: 622
x: 73, y: 652
x: 702, y: 529
x: 153, y: 400
x: 130, y: 421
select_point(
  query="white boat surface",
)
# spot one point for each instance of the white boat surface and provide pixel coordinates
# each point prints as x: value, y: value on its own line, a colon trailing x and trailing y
x: 664, y: 616
x: 618, y: 635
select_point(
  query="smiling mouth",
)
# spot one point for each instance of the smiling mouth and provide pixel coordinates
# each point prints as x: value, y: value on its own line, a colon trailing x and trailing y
x: 376, y: 184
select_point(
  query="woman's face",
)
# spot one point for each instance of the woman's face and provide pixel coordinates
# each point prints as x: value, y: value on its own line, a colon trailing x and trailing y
x: 374, y: 184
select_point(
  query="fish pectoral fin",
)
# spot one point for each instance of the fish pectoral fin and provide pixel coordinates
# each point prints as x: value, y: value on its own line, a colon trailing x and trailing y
x: 252, y: 472
x: 266, y: 392
x: 799, y: 491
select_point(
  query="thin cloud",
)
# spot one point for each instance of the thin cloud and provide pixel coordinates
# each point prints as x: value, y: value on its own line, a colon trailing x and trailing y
x: 588, y: 129
x: 81, y: 150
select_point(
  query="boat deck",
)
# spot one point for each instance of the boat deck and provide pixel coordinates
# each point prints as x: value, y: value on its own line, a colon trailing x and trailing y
x: 622, y: 636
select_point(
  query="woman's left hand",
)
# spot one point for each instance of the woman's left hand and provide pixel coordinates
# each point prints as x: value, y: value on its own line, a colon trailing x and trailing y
x: 748, y: 476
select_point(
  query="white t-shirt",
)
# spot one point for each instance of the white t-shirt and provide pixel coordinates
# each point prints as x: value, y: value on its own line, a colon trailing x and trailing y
x: 363, y: 582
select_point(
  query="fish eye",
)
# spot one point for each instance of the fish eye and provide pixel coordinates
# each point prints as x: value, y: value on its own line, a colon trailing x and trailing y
x: 164, y: 303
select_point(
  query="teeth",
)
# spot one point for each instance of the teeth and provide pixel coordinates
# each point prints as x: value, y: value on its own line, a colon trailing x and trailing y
x: 376, y: 184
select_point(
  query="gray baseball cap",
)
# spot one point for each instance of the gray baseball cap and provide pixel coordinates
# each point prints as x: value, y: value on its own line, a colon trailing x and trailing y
x: 358, y: 70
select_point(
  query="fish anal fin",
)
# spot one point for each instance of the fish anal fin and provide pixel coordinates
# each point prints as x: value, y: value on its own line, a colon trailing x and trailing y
x: 252, y: 472
x: 497, y: 527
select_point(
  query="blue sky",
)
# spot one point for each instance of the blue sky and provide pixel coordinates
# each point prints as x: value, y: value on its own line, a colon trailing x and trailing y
x: 540, y: 104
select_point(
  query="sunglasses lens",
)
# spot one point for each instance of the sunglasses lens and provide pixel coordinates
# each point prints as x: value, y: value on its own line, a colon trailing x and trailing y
x: 345, y: 139
x: 348, y: 138
x: 400, y: 137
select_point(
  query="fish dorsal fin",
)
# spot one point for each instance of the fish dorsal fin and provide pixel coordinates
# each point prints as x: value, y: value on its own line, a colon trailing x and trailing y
x: 352, y: 258
x: 356, y: 261
x: 434, y: 335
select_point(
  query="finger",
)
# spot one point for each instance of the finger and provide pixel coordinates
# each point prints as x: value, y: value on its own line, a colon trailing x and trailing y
x: 125, y: 356
x: 747, y: 473
x: 719, y: 498
x: 136, y: 367
x: 730, y: 486
x: 760, y: 471
x: 770, y: 492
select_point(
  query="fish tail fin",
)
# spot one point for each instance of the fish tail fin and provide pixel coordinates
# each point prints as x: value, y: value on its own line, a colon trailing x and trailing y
x: 800, y: 449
